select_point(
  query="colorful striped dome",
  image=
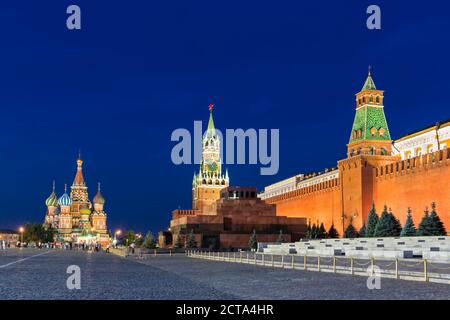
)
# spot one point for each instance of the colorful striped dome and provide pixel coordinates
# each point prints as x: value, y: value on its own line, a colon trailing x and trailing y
x: 65, y: 200
x: 52, y: 200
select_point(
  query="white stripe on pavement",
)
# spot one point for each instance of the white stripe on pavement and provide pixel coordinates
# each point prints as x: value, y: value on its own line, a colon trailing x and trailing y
x: 11, y: 263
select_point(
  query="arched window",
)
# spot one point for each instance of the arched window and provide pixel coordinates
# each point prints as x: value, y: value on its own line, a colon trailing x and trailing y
x: 371, y: 98
x: 383, y: 151
x: 381, y: 132
x: 378, y: 99
x: 359, y: 133
x: 373, y: 131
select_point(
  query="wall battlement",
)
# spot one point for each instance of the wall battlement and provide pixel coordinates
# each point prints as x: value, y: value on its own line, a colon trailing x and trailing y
x: 413, y: 165
x: 325, y: 186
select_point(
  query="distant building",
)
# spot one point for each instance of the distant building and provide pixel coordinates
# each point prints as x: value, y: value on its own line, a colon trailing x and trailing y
x: 73, y: 217
x: 9, y: 236
x: 412, y: 171
x: 224, y: 216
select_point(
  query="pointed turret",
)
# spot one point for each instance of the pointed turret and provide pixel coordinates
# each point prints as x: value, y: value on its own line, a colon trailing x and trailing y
x: 370, y: 134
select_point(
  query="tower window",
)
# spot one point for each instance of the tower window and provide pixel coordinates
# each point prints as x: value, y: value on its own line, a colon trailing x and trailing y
x: 373, y: 132
x: 378, y: 99
x: 381, y: 132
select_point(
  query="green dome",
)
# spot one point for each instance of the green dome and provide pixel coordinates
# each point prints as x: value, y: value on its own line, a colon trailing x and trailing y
x: 85, y: 211
x: 52, y: 200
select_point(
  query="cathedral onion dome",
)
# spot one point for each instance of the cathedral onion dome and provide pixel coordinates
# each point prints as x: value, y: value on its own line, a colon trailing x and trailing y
x: 99, y: 199
x: 52, y: 200
x: 85, y: 211
x: 65, y: 200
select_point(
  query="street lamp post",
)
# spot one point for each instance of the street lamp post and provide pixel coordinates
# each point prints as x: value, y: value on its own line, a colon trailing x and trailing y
x: 21, y: 230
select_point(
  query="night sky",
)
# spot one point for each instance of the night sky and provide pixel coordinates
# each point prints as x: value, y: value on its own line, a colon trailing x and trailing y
x: 140, y: 69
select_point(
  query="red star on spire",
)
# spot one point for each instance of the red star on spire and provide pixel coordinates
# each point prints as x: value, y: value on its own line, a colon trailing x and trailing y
x: 211, y: 106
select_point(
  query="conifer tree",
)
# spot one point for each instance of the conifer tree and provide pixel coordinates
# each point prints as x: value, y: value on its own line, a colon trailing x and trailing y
x: 332, y: 233
x: 386, y: 226
x: 308, y: 230
x: 372, y: 221
x: 436, y: 226
x: 178, y: 243
x: 409, y: 230
x: 350, y: 231
x: 321, y: 232
x: 313, y: 231
x: 253, y: 242
x: 191, y: 243
x: 149, y: 241
x: 396, y: 225
x: 363, y: 231
x: 424, y: 228
x: 280, y: 237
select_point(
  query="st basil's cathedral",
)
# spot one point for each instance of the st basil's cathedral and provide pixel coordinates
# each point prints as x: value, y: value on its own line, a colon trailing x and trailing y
x: 74, y: 217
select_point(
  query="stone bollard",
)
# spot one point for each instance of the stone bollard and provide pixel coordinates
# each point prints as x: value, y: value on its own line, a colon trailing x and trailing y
x: 425, y: 270
x: 304, y: 262
x: 292, y: 262
x: 351, y: 266
x: 396, y: 269
x: 154, y: 252
x: 334, y: 264
x: 318, y: 263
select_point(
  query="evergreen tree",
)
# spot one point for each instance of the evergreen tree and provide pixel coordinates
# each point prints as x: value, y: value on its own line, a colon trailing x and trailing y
x: 253, y: 242
x: 321, y: 232
x: 372, y: 221
x: 388, y: 225
x: 332, y: 233
x: 409, y: 230
x: 436, y: 226
x: 313, y: 231
x: 363, y: 231
x: 424, y: 228
x: 149, y: 241
x: 350, y: 232
x: 308, y: 230
x: 191, y: 243
x: 396, y: 225
x: 280, y: 237
x: 178, y: 243
x: 129, y: 237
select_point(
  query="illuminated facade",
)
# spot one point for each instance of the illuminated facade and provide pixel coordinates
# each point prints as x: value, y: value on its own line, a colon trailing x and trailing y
x: 73, y: 216
x: 412, y: 171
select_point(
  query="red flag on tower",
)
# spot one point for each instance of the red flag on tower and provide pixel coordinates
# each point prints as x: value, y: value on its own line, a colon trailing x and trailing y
x: 211, y: 106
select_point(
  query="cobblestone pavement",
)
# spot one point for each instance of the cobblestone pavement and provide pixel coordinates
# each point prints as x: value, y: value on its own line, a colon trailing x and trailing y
x: 42, y: 275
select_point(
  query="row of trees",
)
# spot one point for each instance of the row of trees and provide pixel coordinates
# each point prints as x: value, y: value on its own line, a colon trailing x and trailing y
x: 35, y: 232
x: 387, y: 225
x: 149, y: 241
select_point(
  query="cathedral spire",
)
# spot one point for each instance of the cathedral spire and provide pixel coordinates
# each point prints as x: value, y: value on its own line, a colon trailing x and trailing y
x: 79, y: 179
x: 211, y: 120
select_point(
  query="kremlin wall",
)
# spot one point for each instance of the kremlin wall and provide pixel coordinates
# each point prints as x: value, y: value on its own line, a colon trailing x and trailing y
x: 413, y: 172
x: 410, y: 172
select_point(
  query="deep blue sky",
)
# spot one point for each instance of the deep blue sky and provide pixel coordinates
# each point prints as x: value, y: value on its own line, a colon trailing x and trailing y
x: 140, y: 69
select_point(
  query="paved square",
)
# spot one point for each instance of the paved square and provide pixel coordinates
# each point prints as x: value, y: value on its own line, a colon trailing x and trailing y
x: 42, y: 275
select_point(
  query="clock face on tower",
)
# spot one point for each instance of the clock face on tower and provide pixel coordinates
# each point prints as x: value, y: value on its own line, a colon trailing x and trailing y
x: 212, y: 166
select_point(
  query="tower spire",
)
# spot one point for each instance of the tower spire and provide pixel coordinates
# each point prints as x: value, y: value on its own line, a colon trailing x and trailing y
x: 98, y: 187
x: 369, y: 84
x: 53, y: 185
